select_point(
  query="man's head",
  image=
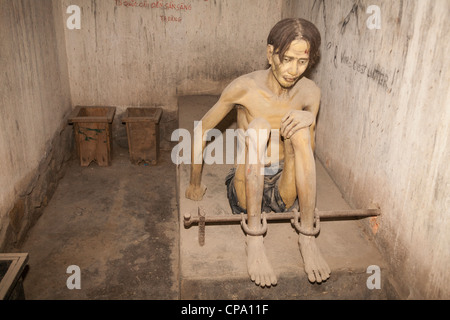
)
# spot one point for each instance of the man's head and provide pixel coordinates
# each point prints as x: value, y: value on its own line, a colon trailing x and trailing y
x: 292, y: 46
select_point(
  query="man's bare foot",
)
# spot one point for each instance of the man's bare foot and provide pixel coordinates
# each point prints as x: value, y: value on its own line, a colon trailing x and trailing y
x: 195, y: 192
x: 258, y: 265
x: 315, y: 266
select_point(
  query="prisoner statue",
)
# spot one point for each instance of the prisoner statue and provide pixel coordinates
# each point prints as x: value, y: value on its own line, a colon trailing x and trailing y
x: 277, y: 98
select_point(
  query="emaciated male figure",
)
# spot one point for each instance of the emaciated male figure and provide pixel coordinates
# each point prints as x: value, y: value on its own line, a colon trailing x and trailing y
x: 276, y: 98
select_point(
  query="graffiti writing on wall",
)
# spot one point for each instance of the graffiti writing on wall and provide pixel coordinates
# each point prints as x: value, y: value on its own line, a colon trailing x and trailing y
x: 374, y: 72
x: 165, y: 5
x: 154, y: 5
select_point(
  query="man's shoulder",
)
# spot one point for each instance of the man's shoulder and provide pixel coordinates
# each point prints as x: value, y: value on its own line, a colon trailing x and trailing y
x: 239, y: 88
x: 308, y: 91
x: 251, y: 78
x: 305, y: 83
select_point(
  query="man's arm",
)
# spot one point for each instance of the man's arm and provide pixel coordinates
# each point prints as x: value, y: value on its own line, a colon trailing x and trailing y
x: 298, y: 119
x: 313, y: 107
x: 230, y: 96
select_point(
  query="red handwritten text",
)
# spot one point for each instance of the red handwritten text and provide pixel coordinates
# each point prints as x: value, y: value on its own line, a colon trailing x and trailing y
x: 170, y: 18
x: 154, y: 5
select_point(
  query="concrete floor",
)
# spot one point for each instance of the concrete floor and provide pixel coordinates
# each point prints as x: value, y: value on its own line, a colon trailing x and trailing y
x: 118, y: 224
x: 218, y: 269
x: 121, y: 226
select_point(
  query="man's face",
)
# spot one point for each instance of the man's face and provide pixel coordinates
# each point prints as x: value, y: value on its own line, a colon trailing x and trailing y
x: 294, y: 63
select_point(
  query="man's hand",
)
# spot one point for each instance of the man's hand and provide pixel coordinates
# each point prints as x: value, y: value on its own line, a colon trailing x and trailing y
x: 294, y: 121
x: 195, y: 192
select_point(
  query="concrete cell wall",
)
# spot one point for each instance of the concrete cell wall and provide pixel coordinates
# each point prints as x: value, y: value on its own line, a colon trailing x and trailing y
x: 383, y: 126
x: 34, y: 99
x: 383, y: 129
x: 133, y: 53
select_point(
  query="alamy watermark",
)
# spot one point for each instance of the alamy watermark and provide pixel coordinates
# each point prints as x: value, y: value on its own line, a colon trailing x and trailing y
x: 374, y: 21
x: 73, y: 281
x: 74, y: 20
x: 374, y: 281
x: 235, y: 146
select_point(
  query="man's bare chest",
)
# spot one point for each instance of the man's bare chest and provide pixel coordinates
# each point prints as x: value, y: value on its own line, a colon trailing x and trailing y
x: 268, y: 107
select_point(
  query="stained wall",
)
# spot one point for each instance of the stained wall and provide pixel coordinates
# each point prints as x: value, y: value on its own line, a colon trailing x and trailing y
x: 34, y: 103
x: 383, y: 126
x: 126, y: 53
x: 383, y: 130
x: 147, y: 53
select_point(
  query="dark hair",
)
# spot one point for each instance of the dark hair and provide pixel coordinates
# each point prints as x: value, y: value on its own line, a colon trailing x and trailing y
x: 288, y: 30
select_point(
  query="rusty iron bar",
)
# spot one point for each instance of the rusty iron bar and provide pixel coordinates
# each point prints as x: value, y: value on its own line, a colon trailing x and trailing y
x: 323, y: 215
x: 201, y: 226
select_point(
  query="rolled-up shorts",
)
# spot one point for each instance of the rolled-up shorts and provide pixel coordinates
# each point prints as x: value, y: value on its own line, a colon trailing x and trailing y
x: 271, y: 200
